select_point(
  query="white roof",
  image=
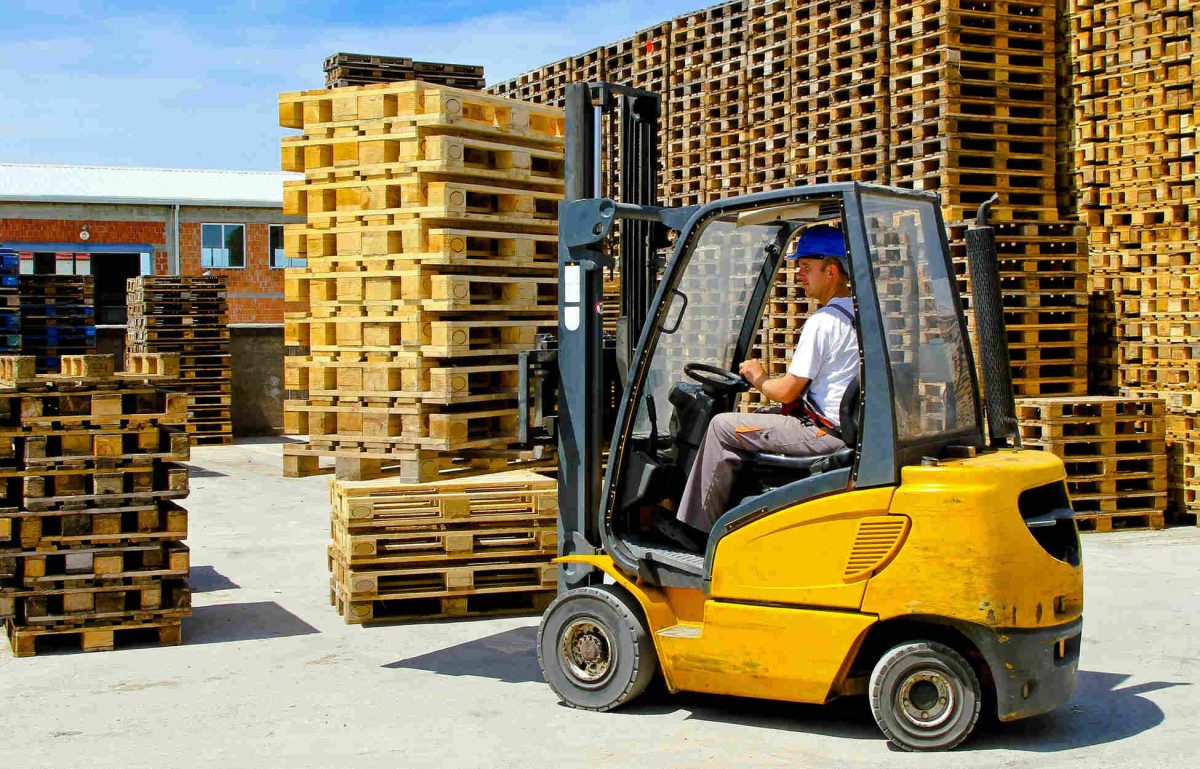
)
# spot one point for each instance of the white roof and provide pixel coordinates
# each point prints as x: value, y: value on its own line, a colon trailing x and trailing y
x: 147, y: 186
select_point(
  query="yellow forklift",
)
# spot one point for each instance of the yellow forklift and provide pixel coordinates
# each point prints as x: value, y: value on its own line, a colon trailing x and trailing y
x: 929, y: 564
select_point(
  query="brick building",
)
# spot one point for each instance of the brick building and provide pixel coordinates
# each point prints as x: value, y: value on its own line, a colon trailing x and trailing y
x: 116, y: 223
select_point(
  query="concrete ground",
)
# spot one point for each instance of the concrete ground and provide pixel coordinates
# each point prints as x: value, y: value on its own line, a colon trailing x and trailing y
x: 269, y: 676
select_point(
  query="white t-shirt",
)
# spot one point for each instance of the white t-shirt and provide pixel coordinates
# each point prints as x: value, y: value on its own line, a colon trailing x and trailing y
x: 827, y: 354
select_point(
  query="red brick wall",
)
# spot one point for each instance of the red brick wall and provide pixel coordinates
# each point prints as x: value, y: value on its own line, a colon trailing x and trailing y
x: 246, y: 286
x: 251, y: 282
x: 67, y: 231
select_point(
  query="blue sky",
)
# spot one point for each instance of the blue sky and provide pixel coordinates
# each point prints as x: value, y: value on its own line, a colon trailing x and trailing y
x: 195, y: 84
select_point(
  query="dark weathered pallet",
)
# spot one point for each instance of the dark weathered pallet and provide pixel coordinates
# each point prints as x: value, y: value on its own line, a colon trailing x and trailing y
x: 26, y: 641
x: 1100, y: 522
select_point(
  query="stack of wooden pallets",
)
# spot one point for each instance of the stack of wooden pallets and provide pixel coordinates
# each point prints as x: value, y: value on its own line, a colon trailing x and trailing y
x: 58, y: 317
x: 769, y: 112
x: 973, y: 106
x: 431, y: 246
x: 1084, y: 112
x: 10, y: 302
x: 1115, y: 454
x: 1133, y: 82
x: 351, y: 69
x: 456, y: 548
x: 188, y: 315
x: 91, y: 538
x: 840, y: 92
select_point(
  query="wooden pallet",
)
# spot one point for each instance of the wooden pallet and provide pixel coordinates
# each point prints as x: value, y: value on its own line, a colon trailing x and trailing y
x: 401, y: 426
x: 26, y: 641
x: 412, y: 546
x: 408, y: 466
x: 337, y: 159
x: 38, y: 568
x: 1106, y: 522
x: 360, y: 611
x: 495, y: 498
x: 422, y: 103
x: 57, y: 529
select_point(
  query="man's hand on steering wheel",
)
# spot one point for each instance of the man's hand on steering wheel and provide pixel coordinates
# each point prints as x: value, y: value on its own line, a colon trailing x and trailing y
x: 752, y: 371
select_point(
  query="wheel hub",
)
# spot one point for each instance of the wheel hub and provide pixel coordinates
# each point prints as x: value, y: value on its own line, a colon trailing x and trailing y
x: 926, y: 698
x: 586, y: 651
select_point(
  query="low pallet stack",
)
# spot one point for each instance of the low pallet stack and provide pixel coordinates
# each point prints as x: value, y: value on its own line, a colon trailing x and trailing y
x: 1115, y: 454
x: 91, y: 535
x: 188, y: 316
x: 431, y: 263
x: 351, y: 69
x: 58, y: 317
x: 10, y: 302
x: 458, y: 548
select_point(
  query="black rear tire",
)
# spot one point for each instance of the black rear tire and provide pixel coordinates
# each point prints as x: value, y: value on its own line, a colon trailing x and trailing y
x: 925, y: 696
x: 594, y: 648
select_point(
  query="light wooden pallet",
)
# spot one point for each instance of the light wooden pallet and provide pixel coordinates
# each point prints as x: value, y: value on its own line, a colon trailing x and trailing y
x: 363, y: 462
x: 494, y: 498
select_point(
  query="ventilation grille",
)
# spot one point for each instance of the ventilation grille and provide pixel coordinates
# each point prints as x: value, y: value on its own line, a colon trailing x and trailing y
x: 877, y: 540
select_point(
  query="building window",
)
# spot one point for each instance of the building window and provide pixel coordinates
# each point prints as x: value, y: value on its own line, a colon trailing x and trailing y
x: 279, y: 259
x: 222, y: 245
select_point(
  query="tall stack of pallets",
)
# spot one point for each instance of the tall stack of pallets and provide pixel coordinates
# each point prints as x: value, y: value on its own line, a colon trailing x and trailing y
x: 1115, y: 454
x: 447, y: 549
x: 188, y: 315
x: 973, y: 108
x: 1072, y: 112
x: 58, y: 317
x: 840, y: 92
x: 1135, y: 106
x: 10, y: 302
x: 91, y: 538
x: 351, y: 69
x: 431, y: 246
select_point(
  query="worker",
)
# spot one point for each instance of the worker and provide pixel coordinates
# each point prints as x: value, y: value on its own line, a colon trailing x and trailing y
x: 823, y: 365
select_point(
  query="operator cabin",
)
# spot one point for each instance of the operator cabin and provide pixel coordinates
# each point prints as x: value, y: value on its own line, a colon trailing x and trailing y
x: 806, y: 422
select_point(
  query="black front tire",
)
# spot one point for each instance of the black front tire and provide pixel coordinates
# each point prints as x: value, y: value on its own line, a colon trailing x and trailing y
x: 594, y: 648
x: 925, y: 696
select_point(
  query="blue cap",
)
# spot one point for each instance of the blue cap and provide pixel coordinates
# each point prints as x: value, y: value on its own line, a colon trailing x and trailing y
x: 819, y: 242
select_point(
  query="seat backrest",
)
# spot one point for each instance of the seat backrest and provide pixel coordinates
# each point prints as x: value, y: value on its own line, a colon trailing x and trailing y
x: 849, y: 413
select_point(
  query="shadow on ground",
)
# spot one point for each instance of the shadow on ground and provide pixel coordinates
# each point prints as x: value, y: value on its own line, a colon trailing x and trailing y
x: 203, y: 472
x: 1100, y: 711
x: 206, y: 579
x: 509, y: 657
x: 224, y: 622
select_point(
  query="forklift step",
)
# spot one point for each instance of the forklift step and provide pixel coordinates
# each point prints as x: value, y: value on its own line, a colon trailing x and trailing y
x: 682, y: 630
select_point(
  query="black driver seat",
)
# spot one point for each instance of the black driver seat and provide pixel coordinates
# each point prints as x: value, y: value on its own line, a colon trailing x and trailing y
x: 800, y: 467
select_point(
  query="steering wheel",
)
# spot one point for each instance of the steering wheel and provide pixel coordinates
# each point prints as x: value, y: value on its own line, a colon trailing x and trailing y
x: 716, y: 380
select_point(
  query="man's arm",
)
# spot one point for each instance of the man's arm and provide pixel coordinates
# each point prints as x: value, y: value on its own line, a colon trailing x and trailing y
x: 783, y: 389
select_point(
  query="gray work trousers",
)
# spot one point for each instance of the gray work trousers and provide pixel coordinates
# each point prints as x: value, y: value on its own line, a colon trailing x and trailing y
x: 731, y: 439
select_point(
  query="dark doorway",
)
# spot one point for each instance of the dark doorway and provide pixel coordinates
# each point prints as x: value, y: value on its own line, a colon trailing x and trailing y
x: 111, y: 271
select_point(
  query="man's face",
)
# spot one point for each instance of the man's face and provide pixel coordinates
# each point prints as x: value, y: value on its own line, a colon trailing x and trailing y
x: 815, y: 277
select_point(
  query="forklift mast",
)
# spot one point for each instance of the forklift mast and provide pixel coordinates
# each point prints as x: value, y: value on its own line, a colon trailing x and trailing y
x: 583, y: 371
